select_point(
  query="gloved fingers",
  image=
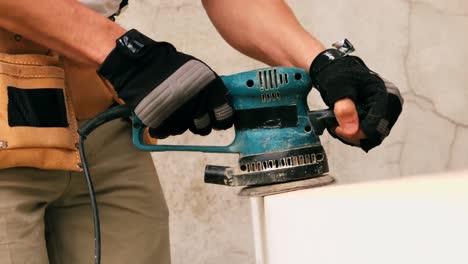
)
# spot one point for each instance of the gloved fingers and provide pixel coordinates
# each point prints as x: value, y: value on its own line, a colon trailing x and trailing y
x: 161, y: 132
x: 383, y: 107
x: 200, y: 118
x: 395, y: 101
x: 201, y: 124
x: 373, y: 93
x: 176, y: 124
x: 221, y: 112
x: 374, y: 99
x: 168, y: 129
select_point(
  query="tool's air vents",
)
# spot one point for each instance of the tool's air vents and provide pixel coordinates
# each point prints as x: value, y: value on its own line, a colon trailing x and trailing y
x: 267, y: 97
x: 271, y: 79
x: 286, y: 162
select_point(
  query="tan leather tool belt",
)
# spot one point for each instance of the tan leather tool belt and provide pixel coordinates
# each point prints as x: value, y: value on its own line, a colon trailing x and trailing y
x: 41, y: 98
x: 37, y: 123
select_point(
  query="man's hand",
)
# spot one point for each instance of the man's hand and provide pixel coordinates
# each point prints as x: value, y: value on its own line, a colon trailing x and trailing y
x: 168, y: 90
x: 344, y: 82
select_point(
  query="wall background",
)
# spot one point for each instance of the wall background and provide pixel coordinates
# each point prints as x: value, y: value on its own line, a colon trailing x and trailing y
x: 419, y: 44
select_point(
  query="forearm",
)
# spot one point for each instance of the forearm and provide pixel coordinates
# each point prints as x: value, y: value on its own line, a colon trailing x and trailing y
x: 265, y: 30
x: 65, y: 26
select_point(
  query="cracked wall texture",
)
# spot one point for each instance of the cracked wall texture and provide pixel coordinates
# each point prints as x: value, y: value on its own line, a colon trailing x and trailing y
x: 420, y: 45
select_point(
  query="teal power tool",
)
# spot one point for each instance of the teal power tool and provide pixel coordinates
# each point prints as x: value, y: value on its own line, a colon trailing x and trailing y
x: 276, y: 134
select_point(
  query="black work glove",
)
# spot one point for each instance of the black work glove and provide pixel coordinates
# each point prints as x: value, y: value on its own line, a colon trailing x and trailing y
x: 337, y: 75
x: 169, y: 91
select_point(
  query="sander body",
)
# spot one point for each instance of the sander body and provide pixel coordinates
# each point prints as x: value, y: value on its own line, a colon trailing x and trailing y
x: 276, y: 135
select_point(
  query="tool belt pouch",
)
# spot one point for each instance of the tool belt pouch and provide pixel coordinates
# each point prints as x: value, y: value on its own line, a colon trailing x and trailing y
x: 37, y: 123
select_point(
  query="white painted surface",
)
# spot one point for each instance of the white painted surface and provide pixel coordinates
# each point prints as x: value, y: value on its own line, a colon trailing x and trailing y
x: 404, y: 221
x: 257, y: 206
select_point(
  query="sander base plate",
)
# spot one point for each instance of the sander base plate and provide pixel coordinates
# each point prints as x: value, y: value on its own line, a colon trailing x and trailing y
x: 286, y: 187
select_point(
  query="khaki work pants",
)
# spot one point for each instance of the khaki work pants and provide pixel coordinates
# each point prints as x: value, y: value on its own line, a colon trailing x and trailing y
x: 46, y: 217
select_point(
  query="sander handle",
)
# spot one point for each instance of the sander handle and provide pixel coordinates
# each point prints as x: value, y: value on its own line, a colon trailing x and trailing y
x: 325, y: 118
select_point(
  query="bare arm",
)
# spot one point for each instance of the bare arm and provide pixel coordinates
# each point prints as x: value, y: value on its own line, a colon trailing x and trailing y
x: 89, y: 37
x: 268, y: 31
x: 65, y: 26
x: 265, y: 30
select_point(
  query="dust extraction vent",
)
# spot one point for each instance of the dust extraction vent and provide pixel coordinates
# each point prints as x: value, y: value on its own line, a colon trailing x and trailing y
x: 270, y: 79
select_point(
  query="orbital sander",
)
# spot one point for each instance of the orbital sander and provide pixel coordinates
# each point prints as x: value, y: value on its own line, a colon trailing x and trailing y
x: 277, y: 136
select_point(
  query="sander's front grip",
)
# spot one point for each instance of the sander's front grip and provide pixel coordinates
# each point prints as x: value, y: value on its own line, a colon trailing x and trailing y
x: 321, y: 119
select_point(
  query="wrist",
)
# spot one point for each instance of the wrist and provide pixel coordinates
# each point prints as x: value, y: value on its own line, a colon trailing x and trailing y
x: 105, y: 47
x: 127, y: 51
x: 306, y: 48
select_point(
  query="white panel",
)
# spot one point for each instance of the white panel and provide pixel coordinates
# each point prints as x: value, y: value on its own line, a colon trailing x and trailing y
x: 404, y: 221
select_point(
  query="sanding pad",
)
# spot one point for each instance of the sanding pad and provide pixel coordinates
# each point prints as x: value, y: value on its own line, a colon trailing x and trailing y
x: 286, y: 187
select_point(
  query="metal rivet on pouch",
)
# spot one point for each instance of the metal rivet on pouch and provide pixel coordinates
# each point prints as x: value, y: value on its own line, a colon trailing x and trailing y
x: 18, y: 37
x: 3, y: 144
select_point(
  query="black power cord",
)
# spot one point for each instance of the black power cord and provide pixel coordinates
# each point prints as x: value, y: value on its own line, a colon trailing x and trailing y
x: 94, y: 206
x: 102, y: 118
